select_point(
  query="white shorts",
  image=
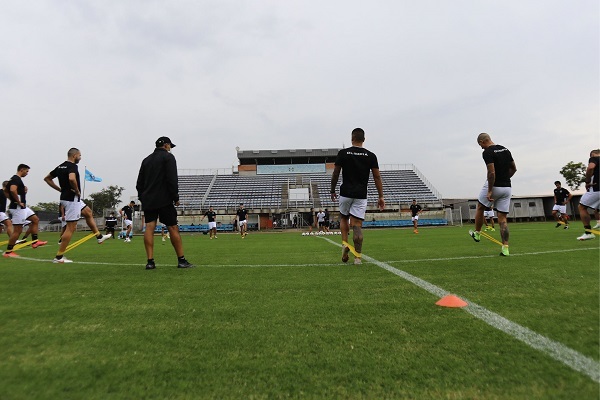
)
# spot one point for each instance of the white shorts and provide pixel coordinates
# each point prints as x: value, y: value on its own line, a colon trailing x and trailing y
x: 501, y: 196
x: 63, y: 222
x: 415, y: 218
x: 591, y: 200
x: 212, y: 225
x: 242, y: 223
x: 354, y: 207
x: 561, y: 209
x: 20, y: 215
x: 128, y: 223
x: 489, y: 214
x: 72, y: 210
x: 3, y: 216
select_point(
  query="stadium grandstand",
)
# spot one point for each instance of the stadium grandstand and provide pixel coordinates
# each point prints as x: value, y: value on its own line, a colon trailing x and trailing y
x: 280, y: 185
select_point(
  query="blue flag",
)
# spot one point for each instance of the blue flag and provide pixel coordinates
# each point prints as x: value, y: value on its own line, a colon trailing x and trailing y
x: 91, y: 177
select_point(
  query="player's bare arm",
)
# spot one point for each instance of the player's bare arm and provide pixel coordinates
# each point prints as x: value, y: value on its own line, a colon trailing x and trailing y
x: 334, y: 180
x: 589, y: 173
x: 379, y: 186
x: 568, y: 199
x: 14, y: 194
x: 73, y: 183
x: 48, y: 179
x: 491, y: 179
x: 512, y: 169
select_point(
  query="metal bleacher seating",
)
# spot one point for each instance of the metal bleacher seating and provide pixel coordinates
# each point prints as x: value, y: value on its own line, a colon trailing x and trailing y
x: 402, y: 186
x: 192, y: 189
x: 266, y: 191
x: 260, y: 191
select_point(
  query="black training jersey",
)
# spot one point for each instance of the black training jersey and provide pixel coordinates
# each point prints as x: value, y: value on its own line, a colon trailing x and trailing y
x: 356, y: 163
x: 596, y: 177
x: 561, y: 195
x: 62, y: 172
x: 128, y: 212
x: 414, y: 209
x: 18, y: 182
x: 157, y: 183
x: 111, y: 222
x: 502, y: 159
x: 2, y: 202
x: 242, y: 214
x: 211, y: 215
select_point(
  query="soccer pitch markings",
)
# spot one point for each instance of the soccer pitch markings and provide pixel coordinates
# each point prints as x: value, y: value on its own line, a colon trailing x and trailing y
x: 48, y: 260
x: 337, y: 264
x: 557, y: 351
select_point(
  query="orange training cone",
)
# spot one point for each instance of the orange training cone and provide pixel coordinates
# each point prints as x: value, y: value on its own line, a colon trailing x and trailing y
x: 451, y: 301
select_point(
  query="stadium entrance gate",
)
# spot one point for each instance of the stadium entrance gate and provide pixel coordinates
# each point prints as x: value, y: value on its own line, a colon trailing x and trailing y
x: 287, y: 220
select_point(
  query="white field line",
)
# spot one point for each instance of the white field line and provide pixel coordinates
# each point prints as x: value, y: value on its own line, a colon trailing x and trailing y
x: 492, y: 256
x: 50, y: 260
x: 337, y: 264
x: 557, y: 351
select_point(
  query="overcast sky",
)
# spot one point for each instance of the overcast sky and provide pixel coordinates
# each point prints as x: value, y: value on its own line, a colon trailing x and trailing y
x: 423, y: 78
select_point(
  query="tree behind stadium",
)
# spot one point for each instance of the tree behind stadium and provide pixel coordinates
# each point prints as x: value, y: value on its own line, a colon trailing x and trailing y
x: 574, y: 174
x: 49, y: 207
x: 107, y: 198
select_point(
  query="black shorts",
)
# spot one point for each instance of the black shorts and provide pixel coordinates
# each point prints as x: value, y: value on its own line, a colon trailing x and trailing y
x: 166, y: 214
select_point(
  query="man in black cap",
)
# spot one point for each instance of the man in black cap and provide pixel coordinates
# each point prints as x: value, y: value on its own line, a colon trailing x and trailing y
x: 158, y: 192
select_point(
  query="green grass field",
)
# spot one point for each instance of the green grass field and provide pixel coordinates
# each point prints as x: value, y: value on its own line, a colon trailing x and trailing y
x: 277, y: 315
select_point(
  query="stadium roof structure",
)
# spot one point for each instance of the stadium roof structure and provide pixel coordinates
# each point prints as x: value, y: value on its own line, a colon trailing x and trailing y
x: 286, y: 156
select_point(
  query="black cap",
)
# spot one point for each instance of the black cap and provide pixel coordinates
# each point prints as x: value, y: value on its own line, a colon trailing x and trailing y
x: 164, y: 140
